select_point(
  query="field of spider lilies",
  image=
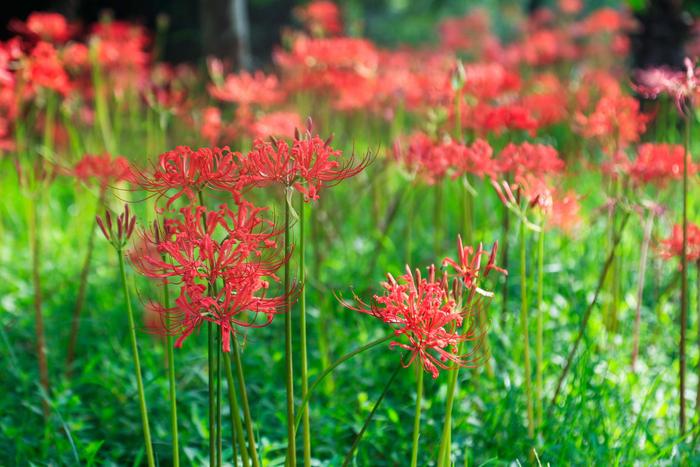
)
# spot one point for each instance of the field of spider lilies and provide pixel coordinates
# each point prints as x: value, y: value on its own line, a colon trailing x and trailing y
x: 475, y: 250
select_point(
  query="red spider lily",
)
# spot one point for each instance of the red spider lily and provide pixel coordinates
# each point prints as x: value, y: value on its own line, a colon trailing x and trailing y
x: 248, y: 89
x: 471, y: 32
x: 44, y: 69
x: 468, y: 267
x: 320, y: 165
x: 529, y: 159
x: 121, y: 45
x: 425, y: 158
x: 429, y: 311
x: 104, y: 169
x: 570, y: 7
x: 321, y: 18
x: 119, y: 230
x: 659, y: 163
x: 673, y: 245
x: 503, y: 118
x: 50, y: 27
x: 211, y: 125
x: 188, y: 171
x: 485, y: 81
x: 221, y: 260
x: 616, y: 121
x: 565, y: 212
x: 433, y: 161
x: 276, y: 124
x: 421, y: 310
x: 308, y: 165
x: 678, y: 85
x: 475, y: 159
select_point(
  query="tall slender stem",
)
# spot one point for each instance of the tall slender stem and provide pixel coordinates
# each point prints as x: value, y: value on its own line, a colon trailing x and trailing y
x: 219, y: 438
x: 244, y: 401
x: 170, y: 356
x: 357, y: 439
x: 137, y: 363
x: 35, y: 245
x: 524, y: 330
x: 289, y: 363
x: 684, y: 279
x: 539, y: 342
x: 82, y: 288
x: 648, y: 225
x: 235, y: 415
x: 212, y: 392
x: 302, y: 335
x: 416, y: 418
x: 697, y: 304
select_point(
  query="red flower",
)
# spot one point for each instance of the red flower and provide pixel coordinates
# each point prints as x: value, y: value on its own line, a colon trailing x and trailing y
x: 530, y: 159
x: 659, y: 163
x: 321, y: 18
x: 616, y: 121
x: 44, y: 69
x: 51, y: 27
x: 308, y: 165
x: 221, y: 261
x: 188, y: 171
x: 104, y: 169
x: 246, y: 89
x: 430, y: 311
x: 678, y: 86
x: 673, y: 245
x: 420, y: 309
x: 277, y: 124
x: 211, y: 125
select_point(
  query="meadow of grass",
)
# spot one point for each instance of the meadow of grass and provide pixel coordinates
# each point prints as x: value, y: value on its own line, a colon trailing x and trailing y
x: 578, y: 359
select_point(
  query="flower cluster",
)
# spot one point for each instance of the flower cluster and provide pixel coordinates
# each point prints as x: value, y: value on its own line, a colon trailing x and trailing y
x: 222, y: 261
x: 433, y: 316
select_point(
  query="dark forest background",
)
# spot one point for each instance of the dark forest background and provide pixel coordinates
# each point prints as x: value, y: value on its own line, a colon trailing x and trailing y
x: 192, y: 29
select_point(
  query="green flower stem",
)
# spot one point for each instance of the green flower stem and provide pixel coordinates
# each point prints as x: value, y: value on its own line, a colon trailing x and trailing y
x: 170, y: 355
x: 235, y: 415
x: 244, y: 401
x: 524, y: 329
x: 684, y: 278
x: 539, y: 342
x: 302, y: 336
x: 437, y: 221
x: 289, y: 362
x: 212, y: 392
x: 137, y: 364
x: 82, y: 288
x: 219, y: 441
x: 348, y: 457
x: 416, y: 419
x: 330, y: 369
